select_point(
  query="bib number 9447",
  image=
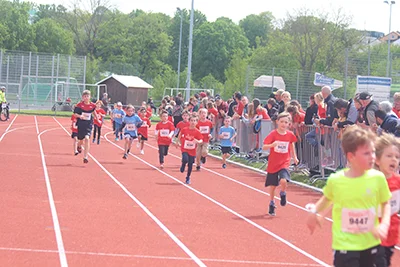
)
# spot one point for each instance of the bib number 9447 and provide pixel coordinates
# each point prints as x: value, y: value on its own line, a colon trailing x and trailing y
x: 358, y: 221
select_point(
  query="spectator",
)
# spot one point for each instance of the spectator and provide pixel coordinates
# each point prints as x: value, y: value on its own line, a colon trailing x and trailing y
x: 331, y: 112
x: 151, y: 103
x: 261, y: 112
x: 388, y: 108
x: 387, y: 123
x: 278, y: 97
x: 370, y: 106
x: 286, y: 98
x: 357, y: 104
x: 311, y: 111
x: 273, y: 109
x: 396, y: 104
x: 177, y: 111
x: 348, y: 111
x: 222, y: 108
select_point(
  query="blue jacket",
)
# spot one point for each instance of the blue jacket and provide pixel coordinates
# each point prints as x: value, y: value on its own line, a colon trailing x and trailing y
x: 389, y: 125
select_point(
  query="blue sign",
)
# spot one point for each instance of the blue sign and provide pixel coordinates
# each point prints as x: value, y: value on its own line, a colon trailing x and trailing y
x: 322, y: 80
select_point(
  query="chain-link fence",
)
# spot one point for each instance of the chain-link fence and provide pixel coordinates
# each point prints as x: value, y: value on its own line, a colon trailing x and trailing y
x: 40, y: 80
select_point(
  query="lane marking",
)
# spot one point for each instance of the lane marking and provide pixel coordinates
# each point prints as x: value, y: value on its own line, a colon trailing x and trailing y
x: 56, y: 223
x: 9, y: 126
x: 228, y: 209
x: 157, y: 257
x: 37, y: 127
x: 146, y: 210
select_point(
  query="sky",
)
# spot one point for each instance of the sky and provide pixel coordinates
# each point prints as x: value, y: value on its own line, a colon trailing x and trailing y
x: 370, y: 15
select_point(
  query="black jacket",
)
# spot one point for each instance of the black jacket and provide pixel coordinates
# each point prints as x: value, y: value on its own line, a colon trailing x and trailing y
x: 331, y: 112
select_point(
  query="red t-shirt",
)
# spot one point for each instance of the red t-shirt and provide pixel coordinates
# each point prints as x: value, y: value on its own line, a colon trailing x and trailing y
x: 149, y: 112
x: 182, y: 124
x: 164, y: 130
x: 187, y: 140
x: 393, y: 234
x: 321, y: 112
x: 205, y: 129
x: 240, y: 108
x: 263, y: 112
x: 213, y: 111
x: 279, y: 157
x: 143, y: 130
x: 74, y: 128
x: 99, y: 120
x: 298, y: 118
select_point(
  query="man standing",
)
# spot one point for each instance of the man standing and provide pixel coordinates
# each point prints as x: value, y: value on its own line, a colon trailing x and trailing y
x: 331, y: 112
x: 278, y: 97
x: 370, y: 106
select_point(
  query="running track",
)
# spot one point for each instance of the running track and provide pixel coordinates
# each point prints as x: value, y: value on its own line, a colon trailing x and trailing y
x: 56, y: 211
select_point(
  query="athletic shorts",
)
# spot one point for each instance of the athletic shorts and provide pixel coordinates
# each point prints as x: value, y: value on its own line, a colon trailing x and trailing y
x: 84, y: 132
x: 142, y: 137
x: 274, y: 178
x: 364, y: 258
x: 202, y: 149
x: 226, y: 149
x: 130, y: 136
x: 74, y: 134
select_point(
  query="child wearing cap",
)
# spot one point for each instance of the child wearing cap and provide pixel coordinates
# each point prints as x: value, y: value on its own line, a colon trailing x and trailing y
x: 118, y: 114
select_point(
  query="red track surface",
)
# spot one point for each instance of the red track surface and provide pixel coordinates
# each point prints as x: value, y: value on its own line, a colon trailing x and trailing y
x: 115, y: 212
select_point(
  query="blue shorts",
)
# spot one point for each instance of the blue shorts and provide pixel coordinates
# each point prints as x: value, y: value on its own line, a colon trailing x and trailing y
x: 274, y: 178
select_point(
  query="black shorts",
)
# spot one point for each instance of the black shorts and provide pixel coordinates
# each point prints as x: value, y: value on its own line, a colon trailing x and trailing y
x: 142, y: 138
x: 364, y: 258
x: 274, y: 178
x: 74, y: 134
x: 84, y: 132
x: 226, y: 149
x: 130, y: 136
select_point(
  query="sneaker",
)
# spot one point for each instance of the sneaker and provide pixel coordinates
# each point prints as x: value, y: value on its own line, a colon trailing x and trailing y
x: 142, y: 152
x: 224, y: 166
x: 94, y: 140
x: 162, y: 166
x: 271, y: 210
x: 198, y: 168
x: 203, y: 160
x: 129, y: 150
x: 138, y: 145
x: 116, y: 139
x: 79, y: 149
x: 283, y: 198
x: 76, y: 153
x: 187, y: 180
x: 85, y: 160
x: 98, y: 141
x: 182, y: 169
x: 125, y: 156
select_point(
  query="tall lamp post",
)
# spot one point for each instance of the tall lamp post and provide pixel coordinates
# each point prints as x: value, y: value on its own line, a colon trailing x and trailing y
x: 190, y: 53
x: 180, y: 47
x: 388, y: 69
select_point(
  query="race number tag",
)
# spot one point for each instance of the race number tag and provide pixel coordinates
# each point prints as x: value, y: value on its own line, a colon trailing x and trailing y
x: 358, y: 221
x: 74, y: 126
x: 282, y: 147
x: 189, y: 144
x: 164, y: 133
x: 4, y: 105
x: 86, y: 116
x: 395, y: 202
x: 131, y: 127
x: 226, y: 135
x: 144, y: 124
x: 116, y: 115
x: 204, y: 129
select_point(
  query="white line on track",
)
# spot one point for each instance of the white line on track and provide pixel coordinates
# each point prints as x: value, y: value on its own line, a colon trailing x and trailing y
x: 9, y: 126
x: 146, y: 210
x: 228, y: 209
x: 37, y: 126
x: 156, y: 257
x: 56, y: 223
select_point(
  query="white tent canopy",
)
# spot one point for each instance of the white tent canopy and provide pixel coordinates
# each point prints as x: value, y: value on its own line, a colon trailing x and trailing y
x: 270, y: 81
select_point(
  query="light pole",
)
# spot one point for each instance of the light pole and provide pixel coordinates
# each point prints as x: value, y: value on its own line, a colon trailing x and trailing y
x: 190, y: 53
x: 391, y: 3
x: 180, y: 47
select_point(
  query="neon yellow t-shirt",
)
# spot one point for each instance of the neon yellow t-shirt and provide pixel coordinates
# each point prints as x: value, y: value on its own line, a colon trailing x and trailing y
x: 355, y: 208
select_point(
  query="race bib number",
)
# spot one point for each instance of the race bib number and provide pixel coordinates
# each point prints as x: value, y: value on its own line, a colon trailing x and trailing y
x: 74, y: 126
x: 395, y: 202
x: 117, y: 116
x: 358, y: 221
x: 144, y: 124
x: 282, y: 147
x: 164, y: 133
x: 86, y: 116
x: 204, y: 129
x: 131, y: 127
x: 226, y: 135
x: 189, y: 144
x: 4, y: 105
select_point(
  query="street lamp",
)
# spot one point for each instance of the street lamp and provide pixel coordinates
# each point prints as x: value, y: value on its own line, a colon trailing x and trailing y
x: 388, y: 72
x: 190, y: 53
x: 180, y: 47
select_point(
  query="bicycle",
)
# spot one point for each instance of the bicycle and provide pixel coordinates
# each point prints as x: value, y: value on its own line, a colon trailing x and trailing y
x: 5, y: 111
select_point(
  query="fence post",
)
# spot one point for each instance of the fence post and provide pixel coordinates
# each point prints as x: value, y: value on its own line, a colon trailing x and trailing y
x: 345, y: 73
x: 52, y: 80
x: 247, y: 81
x: 297, y: 85
x: 1, y: 64
x: 36, y: 79
x: 273, y: 79
x: 369, y: 60
x: 8, y: 70
x: 84, y: 70
x: 22, y: 73
x: 29, y: 73
x: 68, y: 78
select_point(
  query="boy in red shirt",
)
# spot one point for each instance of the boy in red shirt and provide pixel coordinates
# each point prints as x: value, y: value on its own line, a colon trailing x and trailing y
x: 74, y: 135
x: 281, y: 145
x: 387, y: 161
x: 164, y: 133
x: 184, y: 123
x: 189, y: 138
x: 98, y: 122
x: 205, y: 126
x: 143, y: 130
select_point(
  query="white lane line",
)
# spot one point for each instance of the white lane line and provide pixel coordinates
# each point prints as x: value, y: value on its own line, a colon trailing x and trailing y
x: 123, y: 255
x: 9, y: 126
x: 146, y: 210
x: 56, y: 223
x: 396, y: 247
x: 37, y: 127
x: 228, y: 209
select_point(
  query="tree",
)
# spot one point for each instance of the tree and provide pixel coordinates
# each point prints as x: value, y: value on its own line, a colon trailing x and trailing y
x: 49, y: 12
x: 209, y: 82
x: 257, y: 28
x: 236, y: 75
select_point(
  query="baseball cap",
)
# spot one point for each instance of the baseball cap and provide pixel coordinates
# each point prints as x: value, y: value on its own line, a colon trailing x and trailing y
x: 202, y: 94
x: 217, y: 97
x: 364, y: 96
x: 119, y: 104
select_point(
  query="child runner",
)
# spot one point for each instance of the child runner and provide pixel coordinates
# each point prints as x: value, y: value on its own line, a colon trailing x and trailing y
x: 130, y: 123
x: 164, y: 133
x: 355, y: 193
x: 183, y: 123
x: 118, y: 115
x: 100, y: 113
x: 387, y: 161
x: 226, y: 135
x: 143, y: 130
x: 205, y: 126
x: 84, y: 112
x: 74, y: 135
x: 189, y: 138
x: 281, y: 145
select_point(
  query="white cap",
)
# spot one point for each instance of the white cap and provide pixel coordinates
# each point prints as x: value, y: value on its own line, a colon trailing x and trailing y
x: 119, y: 104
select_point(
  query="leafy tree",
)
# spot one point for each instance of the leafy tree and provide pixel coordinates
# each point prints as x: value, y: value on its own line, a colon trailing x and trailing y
x: 209, y: 82
x: 257, y: 28
x: 237, y: 75
x: 49, y: 12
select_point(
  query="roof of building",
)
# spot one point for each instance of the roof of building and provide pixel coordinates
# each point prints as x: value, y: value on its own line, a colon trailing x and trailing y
x: 128, y: 81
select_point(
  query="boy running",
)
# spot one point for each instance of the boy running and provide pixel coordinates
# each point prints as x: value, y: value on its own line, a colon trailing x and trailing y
x: 74, y: 135
x: 189, y: 137
x: 118, y: 114
x: 205, y: 126
x: 84, y: 112
x: 356, y: 193
x: 226, y: 135
x: 143, y: 130
x: 183, y: 123
x: 281, y: 144
x: 164, y: 133
x: 130, y: 123
x: 100, y: 114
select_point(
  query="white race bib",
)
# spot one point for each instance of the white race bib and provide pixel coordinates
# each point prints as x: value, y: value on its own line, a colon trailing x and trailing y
x: 189, y: 144
x: 144, y: 124
x: 4, y: 105
x: 226, y: 135
x: 358, y: 221
x: 117, y: 115
x: 164, y: 132
x: 131, y: 127
x: 86, y: 116
x: 74, y: 126
x: 395, y: 202
x: 282, y: 147
x: 204, y: 129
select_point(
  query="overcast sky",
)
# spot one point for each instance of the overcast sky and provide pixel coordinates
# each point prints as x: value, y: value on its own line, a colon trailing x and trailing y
x: 366, y: 14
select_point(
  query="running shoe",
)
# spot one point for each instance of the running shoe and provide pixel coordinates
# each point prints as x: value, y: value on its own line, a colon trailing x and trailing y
x: 198, y: 168
x: 94, y: 140
x: 85, y: 160
x: 283, y: 198
x: 125, y: 156
x: 187, y: 180
x: 117, y: 139
x: 162, y: 166
x: 76, y: 153
x: 129, y: 150
x: 182, y: 169
x: 142, y: 152
x: 79, y: 149
x: 224, y: 166
x: 98, y: 141
x: 203, y: 160
x: 271, y: 210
